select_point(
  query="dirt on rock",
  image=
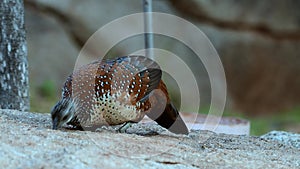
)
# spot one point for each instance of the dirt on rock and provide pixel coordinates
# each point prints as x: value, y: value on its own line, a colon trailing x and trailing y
x: 27, y: 141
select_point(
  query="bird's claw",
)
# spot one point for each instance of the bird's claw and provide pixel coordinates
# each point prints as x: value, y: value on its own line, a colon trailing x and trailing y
x: 124, y: 127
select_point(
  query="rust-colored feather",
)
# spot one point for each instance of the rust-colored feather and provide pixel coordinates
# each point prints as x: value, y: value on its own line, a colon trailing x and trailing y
x: 112, y: 92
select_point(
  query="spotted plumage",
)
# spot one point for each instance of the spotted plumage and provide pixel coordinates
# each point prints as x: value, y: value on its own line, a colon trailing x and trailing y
x: 112, y: 92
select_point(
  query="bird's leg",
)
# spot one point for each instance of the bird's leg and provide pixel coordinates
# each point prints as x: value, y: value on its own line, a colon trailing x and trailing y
x: 74, y: 127
x: 125, y: 126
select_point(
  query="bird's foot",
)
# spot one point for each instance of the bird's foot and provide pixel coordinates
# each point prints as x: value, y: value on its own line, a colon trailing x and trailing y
x: 124, y: 127
x: 72, y: 127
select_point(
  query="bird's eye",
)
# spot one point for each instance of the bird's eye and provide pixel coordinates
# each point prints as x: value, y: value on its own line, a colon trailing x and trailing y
x: 65, y: 118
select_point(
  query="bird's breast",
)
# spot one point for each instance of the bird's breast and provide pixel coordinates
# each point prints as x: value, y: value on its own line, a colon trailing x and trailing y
x: 115, y: 108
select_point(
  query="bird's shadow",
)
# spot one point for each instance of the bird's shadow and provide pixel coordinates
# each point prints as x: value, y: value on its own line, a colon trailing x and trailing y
x: 141, y: 131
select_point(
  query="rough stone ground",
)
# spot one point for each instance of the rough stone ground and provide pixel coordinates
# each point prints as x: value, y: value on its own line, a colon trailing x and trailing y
x: 28, y: 142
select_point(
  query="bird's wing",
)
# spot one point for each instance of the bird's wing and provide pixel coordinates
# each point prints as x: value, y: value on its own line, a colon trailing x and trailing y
x: 146, y: 76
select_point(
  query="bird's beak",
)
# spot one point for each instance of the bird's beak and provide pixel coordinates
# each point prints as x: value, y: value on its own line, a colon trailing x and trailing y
x: 55, y: 124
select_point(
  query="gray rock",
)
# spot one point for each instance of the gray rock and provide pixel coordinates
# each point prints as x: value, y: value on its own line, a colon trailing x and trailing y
x: 26, y: 141
x: 283, y: 137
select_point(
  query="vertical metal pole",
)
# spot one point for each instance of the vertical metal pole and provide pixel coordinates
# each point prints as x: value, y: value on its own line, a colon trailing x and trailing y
x: 147, y: 4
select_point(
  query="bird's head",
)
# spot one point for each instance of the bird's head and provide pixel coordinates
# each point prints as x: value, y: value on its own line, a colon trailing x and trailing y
x: 63, y: 112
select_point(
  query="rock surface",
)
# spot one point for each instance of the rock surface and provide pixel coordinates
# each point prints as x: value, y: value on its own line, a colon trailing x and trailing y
x: 284, y: 138
x: 28, y: 142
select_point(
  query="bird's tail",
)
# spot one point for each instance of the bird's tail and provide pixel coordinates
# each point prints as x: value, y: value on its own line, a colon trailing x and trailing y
x: 171, y: 120
x: 164, y: 112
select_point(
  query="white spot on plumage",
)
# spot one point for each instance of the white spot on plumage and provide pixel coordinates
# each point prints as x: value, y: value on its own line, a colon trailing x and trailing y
x: 115, y: 106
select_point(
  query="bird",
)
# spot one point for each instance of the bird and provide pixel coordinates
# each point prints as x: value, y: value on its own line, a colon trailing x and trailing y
x: 114, y: 92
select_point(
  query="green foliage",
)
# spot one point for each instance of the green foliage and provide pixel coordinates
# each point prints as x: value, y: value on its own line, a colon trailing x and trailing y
x: 43, y: 97
x: 47, y: 89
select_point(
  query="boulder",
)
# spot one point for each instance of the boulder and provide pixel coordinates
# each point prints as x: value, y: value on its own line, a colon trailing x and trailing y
x: 26, y: 141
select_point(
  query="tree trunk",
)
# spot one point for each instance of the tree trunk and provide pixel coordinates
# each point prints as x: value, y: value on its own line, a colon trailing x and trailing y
x: 14, y: 86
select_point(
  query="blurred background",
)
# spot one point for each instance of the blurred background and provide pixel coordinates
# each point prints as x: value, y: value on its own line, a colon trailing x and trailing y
x: 258, y: 42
